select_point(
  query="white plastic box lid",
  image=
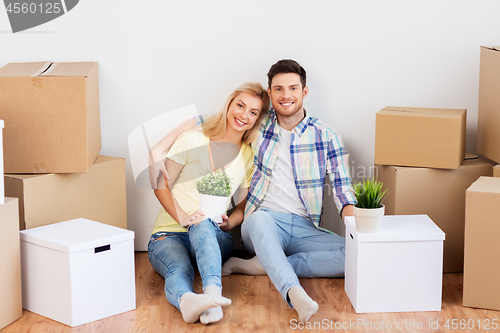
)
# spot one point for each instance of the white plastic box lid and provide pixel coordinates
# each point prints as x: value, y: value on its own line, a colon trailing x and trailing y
x: 75, y: 235
x: 398, y: 228
x: 1, y: 123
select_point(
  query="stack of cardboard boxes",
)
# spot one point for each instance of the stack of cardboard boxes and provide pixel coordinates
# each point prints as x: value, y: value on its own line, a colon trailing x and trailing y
x: 10, y: 274
x: 482, y: 220
x: 421, y: 159
x: 51, y: 144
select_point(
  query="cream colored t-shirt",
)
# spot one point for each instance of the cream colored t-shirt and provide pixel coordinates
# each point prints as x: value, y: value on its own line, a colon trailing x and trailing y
x: 191, y: 149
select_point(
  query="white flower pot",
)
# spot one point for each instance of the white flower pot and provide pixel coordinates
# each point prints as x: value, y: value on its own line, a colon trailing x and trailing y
x: 213, y: 206
x: 368, y: 219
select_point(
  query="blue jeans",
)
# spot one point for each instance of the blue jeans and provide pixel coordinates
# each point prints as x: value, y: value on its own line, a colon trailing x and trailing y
x: 290, y: 247
x: 171, y: 257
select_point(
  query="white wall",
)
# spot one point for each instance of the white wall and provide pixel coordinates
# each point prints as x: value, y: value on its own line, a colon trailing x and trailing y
x: 156, y: 56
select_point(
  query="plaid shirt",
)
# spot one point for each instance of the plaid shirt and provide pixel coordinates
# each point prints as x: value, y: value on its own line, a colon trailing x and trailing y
x: 316, y: 150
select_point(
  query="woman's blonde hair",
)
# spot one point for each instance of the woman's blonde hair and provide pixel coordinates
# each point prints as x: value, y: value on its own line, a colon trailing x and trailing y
x: 215, y: 126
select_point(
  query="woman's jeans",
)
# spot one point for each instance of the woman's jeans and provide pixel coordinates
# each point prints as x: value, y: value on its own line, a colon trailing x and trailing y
x: 290, y: 247
x: 171, y: 257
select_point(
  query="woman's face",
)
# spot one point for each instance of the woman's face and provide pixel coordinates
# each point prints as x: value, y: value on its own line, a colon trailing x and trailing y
x: 243, y: 112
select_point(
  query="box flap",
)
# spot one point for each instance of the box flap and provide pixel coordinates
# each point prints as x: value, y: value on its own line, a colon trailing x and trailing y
x: 47, y: 68
x: 23, y: 69
x: 427, y: 112
x: 469, y: 156
x: 486, y: 184
x: 494, y: 48
x: 75, y: 235
x: 69, y: 69
x: 397, y: 228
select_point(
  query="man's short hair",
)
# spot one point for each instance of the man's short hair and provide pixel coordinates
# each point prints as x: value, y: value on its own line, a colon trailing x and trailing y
x: 286, y: 66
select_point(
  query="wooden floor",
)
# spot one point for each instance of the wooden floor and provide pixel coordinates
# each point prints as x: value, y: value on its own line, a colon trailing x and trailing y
x: 258, y: 307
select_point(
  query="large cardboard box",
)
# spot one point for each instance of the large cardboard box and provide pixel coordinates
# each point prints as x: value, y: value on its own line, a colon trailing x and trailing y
x: 438, y: 193
x: 421, y: 137
x: 51, y: 113
x: 98, y: 195
x: 488, y: 135
x: 78, y: 271
x: 397, y: 269
x: 496, y: 170
x: 10, y: 263
x: 482, y: 244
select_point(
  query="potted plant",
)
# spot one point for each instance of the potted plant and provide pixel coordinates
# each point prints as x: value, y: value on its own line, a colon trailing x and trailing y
x: 369, y: 210
x: 214, y: 189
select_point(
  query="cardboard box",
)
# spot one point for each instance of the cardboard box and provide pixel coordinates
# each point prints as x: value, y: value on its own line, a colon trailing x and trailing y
x: 482, y: 247
x: 51, y: 113
x: 438, y: 193
x: 496, y: 170
x: 398, y: 269
x: 488, y: 135
x: 98, y: 195
x: 78, y: 271
x: 10, y: 263
x: 2, y: 191
x: 433, y: 138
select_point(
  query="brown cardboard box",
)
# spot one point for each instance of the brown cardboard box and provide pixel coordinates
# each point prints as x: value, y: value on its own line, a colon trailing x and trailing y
x: 496, y: 170
x: 11, y: 307
x: 433, y: 138
x: 437, y: 193
x: 51, y: 113
x: 488, y: 135
x: 98, y: 195
x: 482, y: 244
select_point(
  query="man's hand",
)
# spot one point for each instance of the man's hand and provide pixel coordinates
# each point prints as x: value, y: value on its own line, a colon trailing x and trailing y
x: 224, y: 226
x: 348, y: 211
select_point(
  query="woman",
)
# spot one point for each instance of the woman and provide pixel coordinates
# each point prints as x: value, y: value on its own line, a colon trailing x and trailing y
x: 181, y: 231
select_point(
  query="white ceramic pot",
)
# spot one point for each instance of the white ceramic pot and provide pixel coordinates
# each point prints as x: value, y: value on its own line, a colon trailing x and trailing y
x: 213, y: 206
x: 368, y: 219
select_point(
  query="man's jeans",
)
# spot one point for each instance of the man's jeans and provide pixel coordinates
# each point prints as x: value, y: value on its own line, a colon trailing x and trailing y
x: 171, y: 257
x: 290, y: 247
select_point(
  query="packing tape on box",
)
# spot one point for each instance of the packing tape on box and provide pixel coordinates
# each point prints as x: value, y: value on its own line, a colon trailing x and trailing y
x: 37, y: 78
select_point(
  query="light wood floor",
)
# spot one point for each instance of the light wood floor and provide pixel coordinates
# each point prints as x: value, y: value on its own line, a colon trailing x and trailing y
x: 258, y: 307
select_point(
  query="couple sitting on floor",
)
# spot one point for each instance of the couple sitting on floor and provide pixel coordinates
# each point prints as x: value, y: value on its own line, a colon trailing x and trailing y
x: 282, y: 158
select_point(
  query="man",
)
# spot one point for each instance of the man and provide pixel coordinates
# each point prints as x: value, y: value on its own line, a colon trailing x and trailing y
x: 282, y: 225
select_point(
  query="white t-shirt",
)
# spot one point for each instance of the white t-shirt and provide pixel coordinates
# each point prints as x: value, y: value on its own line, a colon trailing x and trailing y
x: 281, y: 195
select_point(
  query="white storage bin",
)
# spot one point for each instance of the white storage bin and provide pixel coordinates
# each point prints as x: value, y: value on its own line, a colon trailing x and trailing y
x: 2, y: 190
x: 398, y: 269
x: 78, y: 271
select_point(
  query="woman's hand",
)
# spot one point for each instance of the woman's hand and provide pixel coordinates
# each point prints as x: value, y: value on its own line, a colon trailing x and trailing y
x: 193, y: 218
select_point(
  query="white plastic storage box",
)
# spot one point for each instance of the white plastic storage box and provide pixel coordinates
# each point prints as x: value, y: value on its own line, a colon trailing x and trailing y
x: 398, y: 269
x: 2, y: 191
x: 78, y: 271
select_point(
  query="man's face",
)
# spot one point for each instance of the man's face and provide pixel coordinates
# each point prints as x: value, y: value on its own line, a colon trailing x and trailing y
x: 286, y: 94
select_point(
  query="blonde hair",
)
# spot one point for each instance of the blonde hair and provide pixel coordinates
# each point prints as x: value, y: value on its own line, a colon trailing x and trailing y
x: 215, y: 126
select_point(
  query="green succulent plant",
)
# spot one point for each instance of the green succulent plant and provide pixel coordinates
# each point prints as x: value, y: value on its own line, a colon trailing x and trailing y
x: 215, y: 183
x: 369, y: 193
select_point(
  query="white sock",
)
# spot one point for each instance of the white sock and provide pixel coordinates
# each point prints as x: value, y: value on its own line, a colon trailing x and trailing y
x: 302, y: 303
x: 238, y: 265
x: 215, y: 314
x: 192, y: 305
